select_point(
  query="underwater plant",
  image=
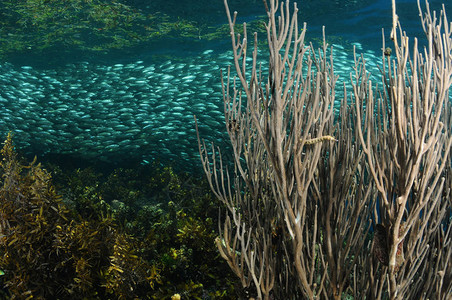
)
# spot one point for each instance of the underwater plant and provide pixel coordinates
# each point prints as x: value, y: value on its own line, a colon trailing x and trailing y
x: 106, y: 236
x: 34, y: 26
x: 98, y: 26
x: 31, y: 215
x: 49, y: 251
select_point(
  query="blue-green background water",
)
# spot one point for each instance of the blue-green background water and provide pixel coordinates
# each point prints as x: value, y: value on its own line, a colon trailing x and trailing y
x: 134, y: 103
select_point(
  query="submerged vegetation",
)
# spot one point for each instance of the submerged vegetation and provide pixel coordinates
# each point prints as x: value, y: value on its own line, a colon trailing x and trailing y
x: 36, y: 25
x: 95, y: 26
x: 130, y: 234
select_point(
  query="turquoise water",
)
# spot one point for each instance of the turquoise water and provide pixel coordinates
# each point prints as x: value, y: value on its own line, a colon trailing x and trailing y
x: 135, y: 104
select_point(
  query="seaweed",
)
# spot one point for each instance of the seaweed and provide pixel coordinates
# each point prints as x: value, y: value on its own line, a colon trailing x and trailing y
x: 49, y: 251
x: 146, y: 234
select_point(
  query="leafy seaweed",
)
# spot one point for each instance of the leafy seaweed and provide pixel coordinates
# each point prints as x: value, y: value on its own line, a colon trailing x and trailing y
x: 85, y: 243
